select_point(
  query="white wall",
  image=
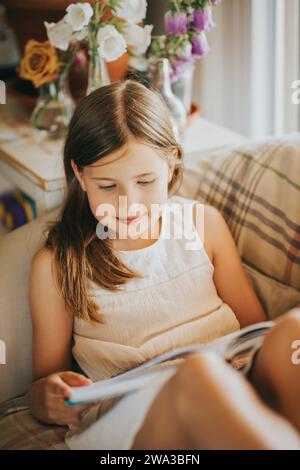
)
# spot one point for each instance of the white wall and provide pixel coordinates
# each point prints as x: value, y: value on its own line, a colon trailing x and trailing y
x: 245, y: 81
x: 222, y: 81
x: 218, y: 77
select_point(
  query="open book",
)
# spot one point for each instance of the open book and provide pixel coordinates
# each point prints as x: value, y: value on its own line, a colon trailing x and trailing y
x: 234, y: 348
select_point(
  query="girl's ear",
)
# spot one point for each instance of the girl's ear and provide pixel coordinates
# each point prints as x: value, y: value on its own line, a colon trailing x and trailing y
x: 78, y: 175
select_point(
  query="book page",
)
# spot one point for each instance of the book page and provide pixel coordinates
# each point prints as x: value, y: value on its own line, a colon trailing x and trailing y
x: 227, y: 346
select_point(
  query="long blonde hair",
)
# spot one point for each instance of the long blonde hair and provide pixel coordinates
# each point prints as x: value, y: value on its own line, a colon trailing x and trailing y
x: 101, y: 124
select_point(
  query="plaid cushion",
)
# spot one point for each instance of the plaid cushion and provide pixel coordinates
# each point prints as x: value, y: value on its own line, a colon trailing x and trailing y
x: 257, y: 189
x: 19, y: 430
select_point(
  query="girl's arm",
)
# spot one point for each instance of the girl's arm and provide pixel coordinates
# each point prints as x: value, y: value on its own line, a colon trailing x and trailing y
x: 51, y: 322
x: 52, y: 327
x: 231, y: 281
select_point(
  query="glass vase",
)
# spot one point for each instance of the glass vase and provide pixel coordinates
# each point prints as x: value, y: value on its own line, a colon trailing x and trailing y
x: 183, y: 87
x: 53, y: 111
x: 161, y: 81
x: 98, y: 73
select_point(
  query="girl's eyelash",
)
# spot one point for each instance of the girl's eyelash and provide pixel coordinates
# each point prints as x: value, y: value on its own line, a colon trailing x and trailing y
x: 111, y: 187
x: 107, y: 188
x: 146, y: 182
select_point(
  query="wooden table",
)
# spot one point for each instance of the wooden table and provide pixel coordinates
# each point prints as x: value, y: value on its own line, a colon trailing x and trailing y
x: 35, y: 168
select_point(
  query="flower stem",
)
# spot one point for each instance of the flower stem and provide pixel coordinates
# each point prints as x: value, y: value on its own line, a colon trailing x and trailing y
x: 176, y: 6
x: 66, y: 63
x: 97, y: 11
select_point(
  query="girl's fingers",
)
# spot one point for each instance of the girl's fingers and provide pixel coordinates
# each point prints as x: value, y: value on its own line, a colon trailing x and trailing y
x: 59, y: 387
x: 63, y: 381
x: 71, y: 414
x: 74, y: 379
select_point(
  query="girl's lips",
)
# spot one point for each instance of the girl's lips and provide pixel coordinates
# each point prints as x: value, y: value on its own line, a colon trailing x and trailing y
x: 129, y: 220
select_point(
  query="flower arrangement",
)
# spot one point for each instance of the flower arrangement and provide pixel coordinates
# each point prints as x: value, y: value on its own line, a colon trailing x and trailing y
x: 106, y: 28
x: 47, y: 67
x: 109, y: 28
x: 184, y: 40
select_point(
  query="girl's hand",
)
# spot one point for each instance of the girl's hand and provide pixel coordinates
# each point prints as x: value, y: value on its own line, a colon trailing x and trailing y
x: 50, y: 395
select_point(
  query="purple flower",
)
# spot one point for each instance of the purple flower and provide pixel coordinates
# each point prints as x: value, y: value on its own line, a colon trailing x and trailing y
x: 203, y: 20
x: 175, y: 24
x: 178, y: 67
x: 200, y: 47
x: 215, y: 2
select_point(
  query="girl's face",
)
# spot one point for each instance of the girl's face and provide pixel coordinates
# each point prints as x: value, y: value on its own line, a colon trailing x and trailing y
x: 127, y: 183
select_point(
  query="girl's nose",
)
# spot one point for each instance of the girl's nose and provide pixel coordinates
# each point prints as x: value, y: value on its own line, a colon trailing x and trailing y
x: 126, y: 200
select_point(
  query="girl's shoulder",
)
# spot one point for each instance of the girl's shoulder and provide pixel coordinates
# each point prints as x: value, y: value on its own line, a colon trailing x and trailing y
x: 207, y: 219
x: 42, y: 260
x: 210, y: 222
x: 42, y: 272
x: 181, y: 200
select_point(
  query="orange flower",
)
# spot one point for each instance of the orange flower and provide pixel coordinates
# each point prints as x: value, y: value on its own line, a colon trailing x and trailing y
x: 40, y: 63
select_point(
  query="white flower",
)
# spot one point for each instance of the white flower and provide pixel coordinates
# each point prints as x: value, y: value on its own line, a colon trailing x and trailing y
x: 133, y: 11
x: 139, y: 63
x: 78, y: 15
x: 80, y: 35
x: 138, y: 37
x: 112, y: 45
x: 59, y: 34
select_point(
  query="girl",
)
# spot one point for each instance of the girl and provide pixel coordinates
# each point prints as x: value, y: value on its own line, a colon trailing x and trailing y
x: 113, y: 287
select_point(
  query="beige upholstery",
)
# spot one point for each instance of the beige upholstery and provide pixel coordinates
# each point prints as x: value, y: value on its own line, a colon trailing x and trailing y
x: 256, y: 188
x: 16, y: 251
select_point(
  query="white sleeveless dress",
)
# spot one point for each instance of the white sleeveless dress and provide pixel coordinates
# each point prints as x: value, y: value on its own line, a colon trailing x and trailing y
x: 174, y: 304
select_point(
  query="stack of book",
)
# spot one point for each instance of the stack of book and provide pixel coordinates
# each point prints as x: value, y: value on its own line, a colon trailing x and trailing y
x: 16, y: 209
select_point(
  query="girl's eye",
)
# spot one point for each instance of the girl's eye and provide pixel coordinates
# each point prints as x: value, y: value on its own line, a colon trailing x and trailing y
x: 112, y: 186
x: 108, y: 188
x: 146, y: 182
